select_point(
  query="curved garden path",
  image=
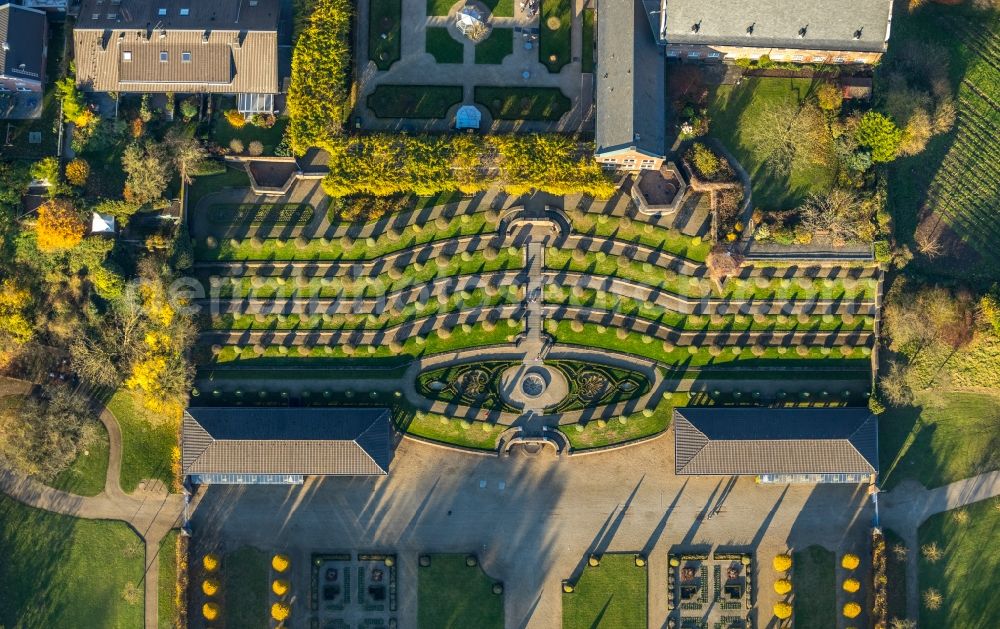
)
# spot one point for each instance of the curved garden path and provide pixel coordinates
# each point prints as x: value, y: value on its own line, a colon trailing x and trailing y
x: 904, y: 509
x: 152, y: 514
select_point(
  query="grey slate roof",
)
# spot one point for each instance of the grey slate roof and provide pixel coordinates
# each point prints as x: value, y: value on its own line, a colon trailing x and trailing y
x: 307, y: 441
x: 237, y: 15
x: 630, y: 81
x: 830, y: 24
x: 22, y: 35
x: 752, y: 441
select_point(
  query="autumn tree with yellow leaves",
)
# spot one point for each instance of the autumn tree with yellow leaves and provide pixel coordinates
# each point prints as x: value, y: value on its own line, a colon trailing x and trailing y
x: 59, y: 226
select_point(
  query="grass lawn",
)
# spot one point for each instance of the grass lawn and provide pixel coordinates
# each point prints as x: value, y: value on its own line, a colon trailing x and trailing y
x: 245, y: 589
x: 443, y: 46
x: 498, y: 45
x: 148, y: 441
x: 668, y: 240
x: 815, y: 602
x: 554, y: 38
x: 636, y: 426
x: 499, y: 8
x: 614, y: 594
x: 589, y: 35
x: 451, y: 595
x: 59, y: 571
x: 414, y: 101
x: 944, y: 437
x: 384, y: 19
x: 682, y: 358
x: 338, y: 249
x: 223, y: 132
x: 895, y: 572
x: 523, y: 103
x: 419, y: 345
x: 85, y: 477
x: 207, y: 184
x: 966, y: 576
x: 469, y: 434
x: 954, y: 183
x: 731, y: 107
x: 168, y: 581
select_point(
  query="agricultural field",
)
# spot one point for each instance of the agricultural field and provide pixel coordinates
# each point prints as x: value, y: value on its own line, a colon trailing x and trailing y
x: 950, y: 192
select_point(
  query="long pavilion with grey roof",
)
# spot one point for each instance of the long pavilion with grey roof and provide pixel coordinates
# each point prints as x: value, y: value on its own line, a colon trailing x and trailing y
x: 260, y: 445
x: 777, y: 445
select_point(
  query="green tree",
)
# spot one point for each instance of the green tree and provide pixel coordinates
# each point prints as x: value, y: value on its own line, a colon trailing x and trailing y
x: 880, y: 134
x: 147, y: 172
x: 319, y: 97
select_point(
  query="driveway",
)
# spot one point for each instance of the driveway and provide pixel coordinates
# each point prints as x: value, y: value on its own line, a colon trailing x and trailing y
x: 532, y: 520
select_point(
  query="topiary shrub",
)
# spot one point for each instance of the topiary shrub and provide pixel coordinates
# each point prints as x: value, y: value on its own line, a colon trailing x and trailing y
x: 782, y: 562
x: 850, y: 561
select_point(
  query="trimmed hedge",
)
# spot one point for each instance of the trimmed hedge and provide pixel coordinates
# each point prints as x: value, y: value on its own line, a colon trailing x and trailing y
x: 414, y: 101
x: 523, y: 103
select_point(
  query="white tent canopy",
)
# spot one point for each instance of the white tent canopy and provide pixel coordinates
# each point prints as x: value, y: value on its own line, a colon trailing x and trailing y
x: 102, y: 224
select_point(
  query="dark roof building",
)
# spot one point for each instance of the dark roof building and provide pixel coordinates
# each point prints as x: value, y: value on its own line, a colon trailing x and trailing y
x: 251, y: 445
x: 222, y: 46
x: 630, y: 87
x: 22, y: 45
x: 777, y: 444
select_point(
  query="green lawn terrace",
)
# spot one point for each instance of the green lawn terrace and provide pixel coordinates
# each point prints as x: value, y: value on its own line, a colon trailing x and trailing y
x: 311, y: 310
x: 612, y: 590
x: 959, y: 578
x: 454, y: 591
x: 443, y: 278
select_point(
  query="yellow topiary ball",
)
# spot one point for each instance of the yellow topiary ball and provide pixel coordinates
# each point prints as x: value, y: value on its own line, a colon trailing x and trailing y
x: 280, y: 563
x: 280, y: 611
x: 782, y: 610
x: 852, y: 610
x: 782, y: 562
x: 210, y: 611
x: 850, y: 561
x: 280, y: 587
x: 852, y: 585
x: 782, y: 586
x: 210, y: 587
x: 210, y: 562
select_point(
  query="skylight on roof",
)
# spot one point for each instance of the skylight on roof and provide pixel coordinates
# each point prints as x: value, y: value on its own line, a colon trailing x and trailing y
x: 164, y: 56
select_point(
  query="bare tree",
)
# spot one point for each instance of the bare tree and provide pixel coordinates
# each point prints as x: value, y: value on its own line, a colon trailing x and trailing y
x: 894, y: 385
x: 788, y: 135
x: 839, y: 212
x: 929, y: 244
x: 42, y: 437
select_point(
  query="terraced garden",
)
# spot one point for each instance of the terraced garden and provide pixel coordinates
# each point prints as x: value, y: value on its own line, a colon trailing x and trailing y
x: 444, y: 289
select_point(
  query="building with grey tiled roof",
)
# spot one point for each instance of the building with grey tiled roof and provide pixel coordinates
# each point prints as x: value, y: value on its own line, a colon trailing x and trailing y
x: 630, y: 88
x: 805, y: 31
x: 181, y: 46
x: 257, y: 445
x: 778, y: 445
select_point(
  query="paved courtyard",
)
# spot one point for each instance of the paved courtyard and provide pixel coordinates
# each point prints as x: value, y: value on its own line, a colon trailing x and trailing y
x: 533, y: 520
